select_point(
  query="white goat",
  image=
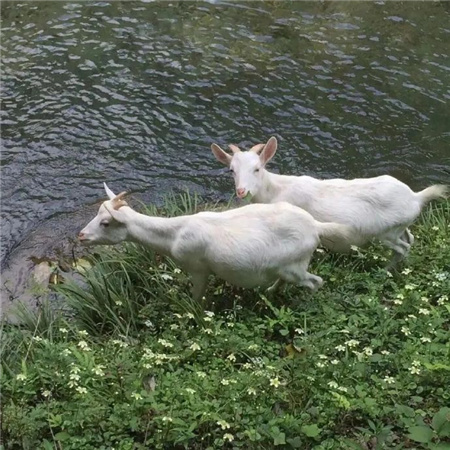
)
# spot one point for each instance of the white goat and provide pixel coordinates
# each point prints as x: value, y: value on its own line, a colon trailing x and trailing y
x: 248, y: 246
x: 376, y: 208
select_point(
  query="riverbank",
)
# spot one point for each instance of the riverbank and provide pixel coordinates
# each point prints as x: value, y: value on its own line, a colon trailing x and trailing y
x: 132, y: 362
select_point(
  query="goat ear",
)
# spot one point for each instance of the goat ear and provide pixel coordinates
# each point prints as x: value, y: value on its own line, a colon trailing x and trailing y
x: 269, y: 150
x: 109, y: 192
x: 220, y: 155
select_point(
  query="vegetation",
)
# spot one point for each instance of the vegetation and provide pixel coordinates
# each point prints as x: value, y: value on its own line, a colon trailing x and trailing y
x: 132, y: 363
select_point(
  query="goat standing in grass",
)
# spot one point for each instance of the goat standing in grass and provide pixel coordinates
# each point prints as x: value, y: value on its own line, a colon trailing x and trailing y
x: 376, y: 208
x: 248, y: 247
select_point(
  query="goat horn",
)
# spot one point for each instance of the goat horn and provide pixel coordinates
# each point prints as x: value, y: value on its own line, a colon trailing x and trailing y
x: 234, y: 148
x: 117, y: 202
x: 257, y: 148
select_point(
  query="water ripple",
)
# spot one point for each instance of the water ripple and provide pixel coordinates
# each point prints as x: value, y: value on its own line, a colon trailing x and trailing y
x: 135, y: 93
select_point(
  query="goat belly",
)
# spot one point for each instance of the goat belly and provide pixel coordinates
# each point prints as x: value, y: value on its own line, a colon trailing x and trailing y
x: 247, y: 279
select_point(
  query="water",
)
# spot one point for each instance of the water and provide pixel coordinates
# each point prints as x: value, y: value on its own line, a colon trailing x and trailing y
x: 134, y: 93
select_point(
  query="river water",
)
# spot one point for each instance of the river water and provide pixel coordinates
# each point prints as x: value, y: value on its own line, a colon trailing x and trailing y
x: 134, y: 93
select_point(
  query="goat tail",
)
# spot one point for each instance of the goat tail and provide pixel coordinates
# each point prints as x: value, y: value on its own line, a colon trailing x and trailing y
x: 336, y: 236
x: 433, y: 192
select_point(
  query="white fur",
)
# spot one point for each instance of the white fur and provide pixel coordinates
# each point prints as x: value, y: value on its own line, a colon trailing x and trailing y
x: 377, y: 208
x: 249, y: 246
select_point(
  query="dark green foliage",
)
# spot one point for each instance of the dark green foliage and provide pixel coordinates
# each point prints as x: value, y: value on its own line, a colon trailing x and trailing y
x: 135, y: 364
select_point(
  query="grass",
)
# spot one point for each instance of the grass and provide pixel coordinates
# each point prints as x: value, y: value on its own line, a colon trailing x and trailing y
x: 132, y: 363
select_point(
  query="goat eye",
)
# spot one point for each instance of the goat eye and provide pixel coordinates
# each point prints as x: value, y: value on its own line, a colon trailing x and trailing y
x: 231, y: 170
x: 104, y: 224
x: 256, y: 170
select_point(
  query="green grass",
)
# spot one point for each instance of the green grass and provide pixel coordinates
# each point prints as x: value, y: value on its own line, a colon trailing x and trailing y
x: 132, y: 363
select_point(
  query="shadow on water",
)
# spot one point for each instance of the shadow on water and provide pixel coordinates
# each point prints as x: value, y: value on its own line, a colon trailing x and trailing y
x: 134, y: 93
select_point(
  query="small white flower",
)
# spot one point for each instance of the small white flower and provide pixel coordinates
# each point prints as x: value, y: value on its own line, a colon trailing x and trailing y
x: 147, y: 366
x: 251, y: 391
x: 414, y: 370
x: 231, y: 357
x: 81, y: 390
x: 253, y: 347
x: 352, y: 343
x: 166, y: 276
x: 442, y: 300
x: 435, y: 228
x: 406, y: 271
x: 228, y: 437
x: 176, y: 270
x: 189, y: 315
x: 223, y: 424
x: 397, y: 301
x: 148, y: 323
x: 83, y: 345
x: 74, y: 368
x: 46, y: 394
x: 165, y: 343
x: 21, y: 377
x: 442, y: 276
x: 74, y: 377
x: 411, y: 316
x: 167, y: 419
x: 334, y: 361
x: 410, y: 287
x: 194, y: 347
x: 208, y: 331
x: 416, y: 363
x: 230, y: 324
x: 174, y: 326
x: 37, y: 338
x: 190, y: 390
x: 340, y: 348
x: 355, y: 248
x: 389, y: 274
x: 333, y: 384
x: 344, y: 331
x: 368, y: 351
x: 63, y: 330
x: 83, y: 333
x: 225, y: 382
x: 342, y: 389
x: 120, y: 343
x: 207, y: 319
x: 246, y: 366
x: 425, y: 339
x: 201, y: 374
x: 118, y: 302
x: 98, y: 370
x: 405, y: 331
x: 66, y: 352
x: 323, y: 356
x: 136, y: 396
x: 209, y: 313
x: 275, y: 382
x: 320, y: 364
x: 424, y: 311
x: 385, y: 352
x: 389, y: 380
x: 424, y: 299
x: 299, y: 331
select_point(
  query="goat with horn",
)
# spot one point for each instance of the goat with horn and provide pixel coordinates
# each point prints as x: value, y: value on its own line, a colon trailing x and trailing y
x: 376, y: 208
x: 255, y: 245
